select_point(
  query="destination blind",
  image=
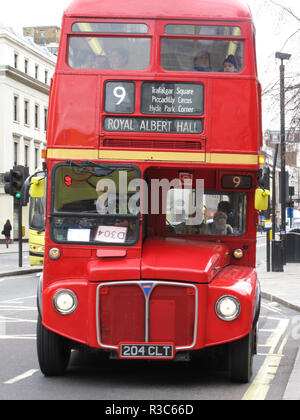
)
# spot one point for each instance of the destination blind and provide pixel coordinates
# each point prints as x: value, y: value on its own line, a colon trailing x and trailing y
x: 172, y: 98
x: 153, y: 125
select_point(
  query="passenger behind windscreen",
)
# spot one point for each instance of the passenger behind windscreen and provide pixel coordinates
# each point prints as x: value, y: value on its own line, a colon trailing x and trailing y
x: 226, y: 208
x: 219, y: 225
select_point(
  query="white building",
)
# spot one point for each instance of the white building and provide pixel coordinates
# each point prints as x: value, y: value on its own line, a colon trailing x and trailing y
x: 26, y: 70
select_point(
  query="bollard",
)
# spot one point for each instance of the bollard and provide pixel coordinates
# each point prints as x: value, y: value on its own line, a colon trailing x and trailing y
x: 293, y: 247
x: 277, y: 256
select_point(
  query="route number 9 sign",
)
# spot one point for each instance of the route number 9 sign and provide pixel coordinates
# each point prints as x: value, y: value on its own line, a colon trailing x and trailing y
x: 119, y: 97
x: 237, y: 182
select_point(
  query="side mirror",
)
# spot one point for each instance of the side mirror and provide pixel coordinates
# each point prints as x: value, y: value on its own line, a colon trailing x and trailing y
x: 37, y: 187
x: 262, y: 199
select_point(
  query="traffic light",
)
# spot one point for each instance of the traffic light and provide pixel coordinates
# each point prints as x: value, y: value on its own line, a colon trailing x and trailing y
x: 8, y: 182
x: 14, y: 180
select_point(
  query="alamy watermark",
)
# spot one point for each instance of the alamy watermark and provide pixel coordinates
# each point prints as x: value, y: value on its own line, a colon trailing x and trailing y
x: 173, y: 197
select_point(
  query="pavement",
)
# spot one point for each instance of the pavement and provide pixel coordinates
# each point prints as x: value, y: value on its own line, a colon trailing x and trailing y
x: 282, y: 287
x: 12, y: 253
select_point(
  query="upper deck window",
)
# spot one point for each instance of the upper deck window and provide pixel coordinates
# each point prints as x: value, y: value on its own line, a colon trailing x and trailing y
x: 203, y: 30
x: 110, y: 28
x: 203, y: 55
x: 117, y: 53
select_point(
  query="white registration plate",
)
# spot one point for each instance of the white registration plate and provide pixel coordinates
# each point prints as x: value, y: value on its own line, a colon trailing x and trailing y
x: 147, y: 351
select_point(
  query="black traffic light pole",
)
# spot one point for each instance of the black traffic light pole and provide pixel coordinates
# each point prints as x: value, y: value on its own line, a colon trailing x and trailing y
x: 282, y: 57
x: 14, y: 181
x: 20, y: 231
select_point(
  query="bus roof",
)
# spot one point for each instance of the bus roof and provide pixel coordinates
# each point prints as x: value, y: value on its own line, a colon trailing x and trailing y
x: 160, y: 9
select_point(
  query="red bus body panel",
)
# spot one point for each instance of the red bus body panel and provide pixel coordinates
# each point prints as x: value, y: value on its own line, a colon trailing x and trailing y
x: 232, y: 129
x: 168, y: 9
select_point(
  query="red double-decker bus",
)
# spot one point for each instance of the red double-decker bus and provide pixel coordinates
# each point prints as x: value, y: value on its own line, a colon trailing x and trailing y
x: 153, y: 146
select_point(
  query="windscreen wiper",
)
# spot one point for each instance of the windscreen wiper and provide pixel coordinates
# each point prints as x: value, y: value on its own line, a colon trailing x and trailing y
x: 99, y: 169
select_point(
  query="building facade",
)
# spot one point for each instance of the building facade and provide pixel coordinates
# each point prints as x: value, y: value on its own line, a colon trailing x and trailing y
x: 48, y: 36
x: 26, y: 70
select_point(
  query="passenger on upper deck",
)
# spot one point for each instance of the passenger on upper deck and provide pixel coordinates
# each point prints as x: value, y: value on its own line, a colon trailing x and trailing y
x: 84, y: 59
x: 202, y: 62
x: 119, y: 58
x: 101, y: 62
x: 230, y: 64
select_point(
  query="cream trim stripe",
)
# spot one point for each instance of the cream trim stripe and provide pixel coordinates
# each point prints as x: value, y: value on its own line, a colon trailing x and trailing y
x: 213, y: 158
x: 72, y: 154
x: 149, y: 155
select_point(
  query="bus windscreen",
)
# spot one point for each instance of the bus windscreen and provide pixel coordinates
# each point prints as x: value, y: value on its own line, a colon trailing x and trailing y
x: 96, y: 204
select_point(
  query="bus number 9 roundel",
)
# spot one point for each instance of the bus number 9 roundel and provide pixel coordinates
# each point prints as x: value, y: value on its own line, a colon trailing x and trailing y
x: 119, y: 97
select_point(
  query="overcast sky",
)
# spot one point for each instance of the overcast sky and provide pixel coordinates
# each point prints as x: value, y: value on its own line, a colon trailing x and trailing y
x: 19, y: 13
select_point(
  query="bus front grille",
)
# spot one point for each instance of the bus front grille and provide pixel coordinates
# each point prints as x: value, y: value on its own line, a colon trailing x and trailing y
x: 147, y: 311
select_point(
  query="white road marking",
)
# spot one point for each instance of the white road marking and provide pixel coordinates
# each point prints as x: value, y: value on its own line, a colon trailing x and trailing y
x: 18, y: 300
x: 19, y: 378
x: 18, y: 337
x: 17, y: 308
x: 272, y: 308
x: 262, y: 382
x: 292, y: 391
x: 8, y: 320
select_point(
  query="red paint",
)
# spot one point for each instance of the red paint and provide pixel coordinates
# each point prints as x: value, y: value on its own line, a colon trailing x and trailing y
x: 182, y: 259
x: 232, y: 125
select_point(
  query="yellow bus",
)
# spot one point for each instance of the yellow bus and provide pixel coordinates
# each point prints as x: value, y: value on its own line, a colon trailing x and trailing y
x: 36, y: 236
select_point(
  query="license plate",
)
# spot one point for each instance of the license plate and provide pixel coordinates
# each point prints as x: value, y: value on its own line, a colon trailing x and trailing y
x: 147, y: 351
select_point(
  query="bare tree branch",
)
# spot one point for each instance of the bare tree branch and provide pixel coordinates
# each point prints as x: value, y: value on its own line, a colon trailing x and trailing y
x: 287, y: 9
x: 291, y: 36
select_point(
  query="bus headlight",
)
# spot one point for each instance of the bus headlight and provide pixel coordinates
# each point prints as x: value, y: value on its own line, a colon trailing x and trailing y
x: 228, y: 308
x: 65, y: 302
x: 54, y: 253
x: 238, y: 254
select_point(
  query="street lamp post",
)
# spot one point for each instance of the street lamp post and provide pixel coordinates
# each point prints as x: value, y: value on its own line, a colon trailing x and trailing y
x: 282, y: 57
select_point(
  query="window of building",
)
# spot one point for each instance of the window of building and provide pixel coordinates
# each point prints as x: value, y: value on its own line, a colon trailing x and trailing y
x: 36, y: 71
x: 26, y: 112
x: 46, y: 77
x: 45, y: 118
x: 36, y: 157
x: 26, y: 66
x: 16, y: 108
x: 16, y: 60
x: 36, y: 116
x: 26, y: 155
x: 16, y: 153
